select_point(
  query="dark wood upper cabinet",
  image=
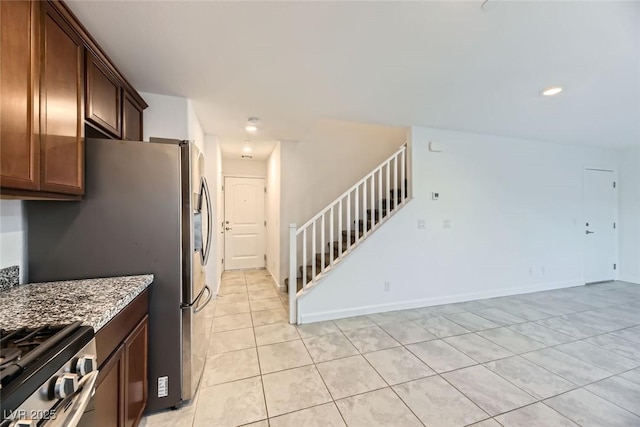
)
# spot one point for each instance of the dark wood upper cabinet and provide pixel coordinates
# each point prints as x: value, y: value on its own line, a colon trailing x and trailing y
x: 19, y: 67
x: 103, y: 102
x: 51, y: 72
x: 61, y: 112
x: 131, y: 118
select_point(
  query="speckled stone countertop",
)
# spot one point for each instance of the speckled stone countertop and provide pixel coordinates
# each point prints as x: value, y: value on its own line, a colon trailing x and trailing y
x: 92, y: 301
x: 9, y: 277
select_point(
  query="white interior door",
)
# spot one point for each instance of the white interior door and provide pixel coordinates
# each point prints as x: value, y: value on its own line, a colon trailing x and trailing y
x: 599, y: 226
x: 244, y: 230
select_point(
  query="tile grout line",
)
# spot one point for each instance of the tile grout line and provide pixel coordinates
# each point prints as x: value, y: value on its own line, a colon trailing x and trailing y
x: 323, y: 381
x: 380, y: 326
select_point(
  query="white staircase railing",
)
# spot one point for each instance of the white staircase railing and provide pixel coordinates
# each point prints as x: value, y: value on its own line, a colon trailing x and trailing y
x: 363, y: 205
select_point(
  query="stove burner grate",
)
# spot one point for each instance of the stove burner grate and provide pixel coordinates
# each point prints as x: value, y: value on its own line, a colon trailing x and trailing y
x: 23, y: 347
x: 8, y: 355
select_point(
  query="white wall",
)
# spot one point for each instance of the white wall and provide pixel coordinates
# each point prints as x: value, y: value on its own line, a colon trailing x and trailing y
x: 166, y: 117
x: 273, y: 213
x: 323, y: 165
x: 244, y: 167
x: 13, y: 236
x: 194, y: 129
x: 175, y: 117
x: 515, y: 208
x: 629, y: 216
x: 213, y: 173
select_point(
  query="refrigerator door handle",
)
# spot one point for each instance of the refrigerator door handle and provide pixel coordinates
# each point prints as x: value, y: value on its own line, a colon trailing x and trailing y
x: 195, y: 302
x: 207, y: 250
x: 199, y: 308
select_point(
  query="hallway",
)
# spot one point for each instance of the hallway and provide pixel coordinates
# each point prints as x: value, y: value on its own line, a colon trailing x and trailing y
x: 564, y: 358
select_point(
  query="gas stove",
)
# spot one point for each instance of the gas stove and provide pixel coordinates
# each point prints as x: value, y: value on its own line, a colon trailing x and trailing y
x: 47, y: 374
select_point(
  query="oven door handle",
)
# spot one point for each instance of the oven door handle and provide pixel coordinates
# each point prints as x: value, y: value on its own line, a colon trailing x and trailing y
x: 76, y: 403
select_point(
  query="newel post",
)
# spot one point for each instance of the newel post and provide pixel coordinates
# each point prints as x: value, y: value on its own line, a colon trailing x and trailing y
x: 293, y: 275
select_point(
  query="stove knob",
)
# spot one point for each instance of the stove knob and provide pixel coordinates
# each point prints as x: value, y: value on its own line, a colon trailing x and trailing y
x: 86, y: 365
x: 65, y: 385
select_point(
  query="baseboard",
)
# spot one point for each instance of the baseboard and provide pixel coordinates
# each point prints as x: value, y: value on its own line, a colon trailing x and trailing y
x: 630, y: 279
x: 280, y: 287
x: 426, y: 302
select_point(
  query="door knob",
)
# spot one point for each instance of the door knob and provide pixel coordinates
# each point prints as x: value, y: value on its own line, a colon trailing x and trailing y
x: 589, y: 232
x: 227, y: 228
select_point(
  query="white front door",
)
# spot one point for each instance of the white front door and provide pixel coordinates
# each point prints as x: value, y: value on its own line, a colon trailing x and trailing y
x: 244, y: 229
x: 599, y: 226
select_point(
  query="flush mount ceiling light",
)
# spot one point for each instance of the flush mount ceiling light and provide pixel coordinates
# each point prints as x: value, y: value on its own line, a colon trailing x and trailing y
x: 552, y: 90
x: 252, y: 125
x: 246, y: 149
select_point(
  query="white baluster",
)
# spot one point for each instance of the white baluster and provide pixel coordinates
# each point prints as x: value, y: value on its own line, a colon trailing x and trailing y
x: 313, y: 253
x: 293, y: 274
x: 331, y: 254
x: 364, y: 209
x: 390, y: 199
x: 331, y: 224
x: 348, y: 222
x: 403, y: 167
x: 322, y: 244
x: 357, y: 215
x: 380, y: 190
x: 304, y: 259
x: 373, y: 198
x: 395, y: 181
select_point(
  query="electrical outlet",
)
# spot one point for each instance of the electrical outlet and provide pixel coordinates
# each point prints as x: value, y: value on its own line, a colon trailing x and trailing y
x: 446, y: 224
x: 435, y: 196
x: 421, y: 224
x: 387, y: 286
x: 530, y: 271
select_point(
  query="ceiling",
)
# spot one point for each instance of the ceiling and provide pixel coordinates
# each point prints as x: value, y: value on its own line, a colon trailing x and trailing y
x: 447, y: 64
x: 233, y: 148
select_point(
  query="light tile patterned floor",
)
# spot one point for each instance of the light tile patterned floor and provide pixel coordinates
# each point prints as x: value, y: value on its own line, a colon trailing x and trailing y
x: 569, y: 357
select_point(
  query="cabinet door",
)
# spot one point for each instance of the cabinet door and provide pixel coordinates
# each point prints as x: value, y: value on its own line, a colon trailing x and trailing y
x: 19, y: 144
x: 109, y: 397
x: 131, y: 119
x: 103, y: 97
x: 62, y: 106
x: 136, y: 373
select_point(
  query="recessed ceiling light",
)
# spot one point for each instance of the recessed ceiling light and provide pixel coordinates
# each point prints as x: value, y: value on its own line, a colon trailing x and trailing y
x: 252, y: 124
x: 551, y: 91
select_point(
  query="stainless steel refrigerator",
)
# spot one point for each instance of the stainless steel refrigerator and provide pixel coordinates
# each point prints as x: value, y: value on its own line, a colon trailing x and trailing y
x: 146, y: 210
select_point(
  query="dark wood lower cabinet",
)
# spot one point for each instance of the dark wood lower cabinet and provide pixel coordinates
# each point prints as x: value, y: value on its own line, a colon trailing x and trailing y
x: 109, y: 398
x: 121, y: 388
x: 135, y: 356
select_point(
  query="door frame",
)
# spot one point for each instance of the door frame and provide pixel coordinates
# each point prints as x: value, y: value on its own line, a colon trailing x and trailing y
x: 224, y: 213
x: 616, y: 257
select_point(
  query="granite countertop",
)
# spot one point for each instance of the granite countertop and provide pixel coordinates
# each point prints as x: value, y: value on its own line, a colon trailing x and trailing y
x: 92, y: 301
x: 9, y: 277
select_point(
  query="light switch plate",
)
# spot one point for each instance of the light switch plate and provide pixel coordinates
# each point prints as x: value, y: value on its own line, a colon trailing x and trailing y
x: 435, y: 196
